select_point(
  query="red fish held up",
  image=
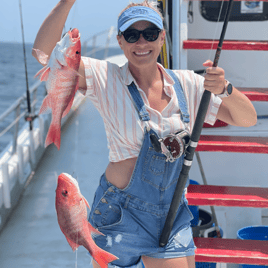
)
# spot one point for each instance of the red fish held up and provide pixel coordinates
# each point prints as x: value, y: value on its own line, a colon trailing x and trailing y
x: 62, y: 81
x: 72, y: 218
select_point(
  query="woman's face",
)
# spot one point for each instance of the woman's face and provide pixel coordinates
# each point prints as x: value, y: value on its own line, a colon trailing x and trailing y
x: 142, y: 52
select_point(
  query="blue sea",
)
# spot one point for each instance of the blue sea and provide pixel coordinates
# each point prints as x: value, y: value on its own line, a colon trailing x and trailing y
x: 13, y: 81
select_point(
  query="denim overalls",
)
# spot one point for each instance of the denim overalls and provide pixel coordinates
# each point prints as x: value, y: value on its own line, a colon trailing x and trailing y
x: 132, y: 218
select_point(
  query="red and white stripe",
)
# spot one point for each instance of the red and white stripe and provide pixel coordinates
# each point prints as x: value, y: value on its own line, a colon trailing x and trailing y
x: 107, y: 89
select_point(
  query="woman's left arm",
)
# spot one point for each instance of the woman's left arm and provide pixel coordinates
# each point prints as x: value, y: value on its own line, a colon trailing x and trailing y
x: 235, y: 109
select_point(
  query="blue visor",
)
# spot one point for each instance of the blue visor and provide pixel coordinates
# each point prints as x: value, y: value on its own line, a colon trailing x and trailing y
x: 138, y: 13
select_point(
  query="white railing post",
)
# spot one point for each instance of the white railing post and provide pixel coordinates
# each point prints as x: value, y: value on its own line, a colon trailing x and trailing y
x: 107, y: 42
x: 183, y: 34
x: 42, y: 130
x: 6, y: 188
x: 176, y: 34
x: 32, y: 148
x: 16, y: 129
x: 21, y: 163
x: 179, y: 33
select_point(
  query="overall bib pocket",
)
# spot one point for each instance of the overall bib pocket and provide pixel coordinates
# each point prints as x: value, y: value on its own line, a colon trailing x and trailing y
x: 154, y: 168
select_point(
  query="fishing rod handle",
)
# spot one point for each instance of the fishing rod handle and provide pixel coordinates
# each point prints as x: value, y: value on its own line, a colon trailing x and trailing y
x: 174, y: 206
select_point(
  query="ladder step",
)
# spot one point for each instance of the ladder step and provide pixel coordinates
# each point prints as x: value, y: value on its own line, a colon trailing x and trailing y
x: 255, y: 94
x: 231, y: 196
x: 227, y: 44
x: 236, y: 144
x: 231, y: 251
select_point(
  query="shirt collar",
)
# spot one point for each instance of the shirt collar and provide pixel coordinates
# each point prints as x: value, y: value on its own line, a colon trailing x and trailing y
x: 128, y: 78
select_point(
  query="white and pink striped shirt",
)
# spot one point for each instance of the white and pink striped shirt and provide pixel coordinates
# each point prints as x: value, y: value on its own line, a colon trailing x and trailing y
x: 108, y: 91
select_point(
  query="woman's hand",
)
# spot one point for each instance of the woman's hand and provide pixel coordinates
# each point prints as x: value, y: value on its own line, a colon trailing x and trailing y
x: 214, y: 78
x: 236, y: 109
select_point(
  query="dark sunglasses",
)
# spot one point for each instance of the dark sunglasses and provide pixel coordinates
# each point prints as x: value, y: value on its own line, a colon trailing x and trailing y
x: 133, y: 35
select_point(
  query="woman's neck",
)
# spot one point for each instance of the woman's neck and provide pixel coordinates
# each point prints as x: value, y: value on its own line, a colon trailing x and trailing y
x: 145, y: 77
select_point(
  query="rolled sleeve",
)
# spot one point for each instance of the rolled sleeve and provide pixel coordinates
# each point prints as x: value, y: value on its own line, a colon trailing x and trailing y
x: 89, y: 66
x: 213, y: 108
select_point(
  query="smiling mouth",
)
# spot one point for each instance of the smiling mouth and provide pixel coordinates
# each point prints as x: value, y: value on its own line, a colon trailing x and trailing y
x: 142, y: 53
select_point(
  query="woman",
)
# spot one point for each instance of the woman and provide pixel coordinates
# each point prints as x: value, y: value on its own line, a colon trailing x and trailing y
x: 139, y: 102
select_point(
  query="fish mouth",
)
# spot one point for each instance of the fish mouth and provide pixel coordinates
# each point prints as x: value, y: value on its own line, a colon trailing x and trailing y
x: 75, y: 33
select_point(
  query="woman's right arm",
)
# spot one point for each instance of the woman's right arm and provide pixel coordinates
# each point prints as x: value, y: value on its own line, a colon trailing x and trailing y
x: 51, y: 30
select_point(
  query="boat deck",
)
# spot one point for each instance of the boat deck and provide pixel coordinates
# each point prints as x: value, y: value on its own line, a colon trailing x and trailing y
x: 32, y: 237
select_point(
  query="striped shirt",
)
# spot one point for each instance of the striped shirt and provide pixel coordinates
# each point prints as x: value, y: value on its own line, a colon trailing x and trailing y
x: 107, y: 89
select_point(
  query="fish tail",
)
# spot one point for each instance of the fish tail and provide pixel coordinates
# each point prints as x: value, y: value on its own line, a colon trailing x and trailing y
x: 103, y: 257
x: 53, y: 135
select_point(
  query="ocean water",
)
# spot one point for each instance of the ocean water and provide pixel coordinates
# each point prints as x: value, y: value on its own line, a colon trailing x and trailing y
x: 13, y: 82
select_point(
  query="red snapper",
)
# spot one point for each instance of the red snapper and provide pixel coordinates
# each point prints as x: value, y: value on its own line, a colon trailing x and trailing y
x: 62, y: 81
x: 72, y: 218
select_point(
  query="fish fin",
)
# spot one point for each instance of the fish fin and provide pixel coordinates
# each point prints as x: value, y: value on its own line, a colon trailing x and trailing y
x: 73, y: 245
x: 86, y: 202
x: 103, y: 257
x: 93, y: 231
x: 45, y: 105
x: 43, y: 73
x: 42, y: 57
x: 70, y: 70
x: 53, y: 135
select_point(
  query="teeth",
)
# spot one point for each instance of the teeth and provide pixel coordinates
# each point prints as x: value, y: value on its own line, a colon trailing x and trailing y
x: 142, y: 53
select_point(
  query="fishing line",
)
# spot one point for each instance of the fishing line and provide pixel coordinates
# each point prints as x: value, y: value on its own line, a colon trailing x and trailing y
x: 75, y: 165
x: 216, y: 29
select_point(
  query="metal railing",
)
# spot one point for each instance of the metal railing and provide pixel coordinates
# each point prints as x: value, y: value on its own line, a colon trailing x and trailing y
x: 110, y: 33
x: 19, y: 114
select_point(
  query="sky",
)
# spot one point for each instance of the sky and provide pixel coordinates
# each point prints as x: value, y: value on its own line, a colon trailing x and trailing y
x: 90, y: 17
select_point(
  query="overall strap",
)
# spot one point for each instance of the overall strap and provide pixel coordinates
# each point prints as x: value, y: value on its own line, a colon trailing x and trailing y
x: 181, y: 98
x: 139, y: 104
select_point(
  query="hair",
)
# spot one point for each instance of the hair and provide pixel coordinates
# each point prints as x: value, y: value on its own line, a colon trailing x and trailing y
x: 144, y: 3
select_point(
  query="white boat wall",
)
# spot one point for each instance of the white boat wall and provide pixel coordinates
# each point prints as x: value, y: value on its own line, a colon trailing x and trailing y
x: 243, y: 68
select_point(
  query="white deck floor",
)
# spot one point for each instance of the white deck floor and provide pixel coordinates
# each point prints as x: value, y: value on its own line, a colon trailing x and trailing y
x: 32, y: 237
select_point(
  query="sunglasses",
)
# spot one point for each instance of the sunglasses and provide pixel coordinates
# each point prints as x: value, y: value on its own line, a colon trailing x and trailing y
x: 133, y: 35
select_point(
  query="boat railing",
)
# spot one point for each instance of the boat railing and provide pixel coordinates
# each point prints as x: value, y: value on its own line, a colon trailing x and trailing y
x: 19, y: 114
x: 104, y: 39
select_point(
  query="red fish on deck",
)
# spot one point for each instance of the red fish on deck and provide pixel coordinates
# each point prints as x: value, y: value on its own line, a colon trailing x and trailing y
x: 62, y: 81
x: 72, y: 218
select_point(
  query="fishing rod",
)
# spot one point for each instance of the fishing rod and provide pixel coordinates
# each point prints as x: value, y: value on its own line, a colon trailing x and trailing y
x: 200, y: 118
x: 29, y: 117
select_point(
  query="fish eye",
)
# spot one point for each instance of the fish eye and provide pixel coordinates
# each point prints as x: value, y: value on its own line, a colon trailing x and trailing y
x: 77, y: 52
x: 64, y: 193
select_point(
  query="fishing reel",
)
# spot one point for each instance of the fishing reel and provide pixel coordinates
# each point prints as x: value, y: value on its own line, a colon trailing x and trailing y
x: 173, y: 146
x: 29, y: 117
